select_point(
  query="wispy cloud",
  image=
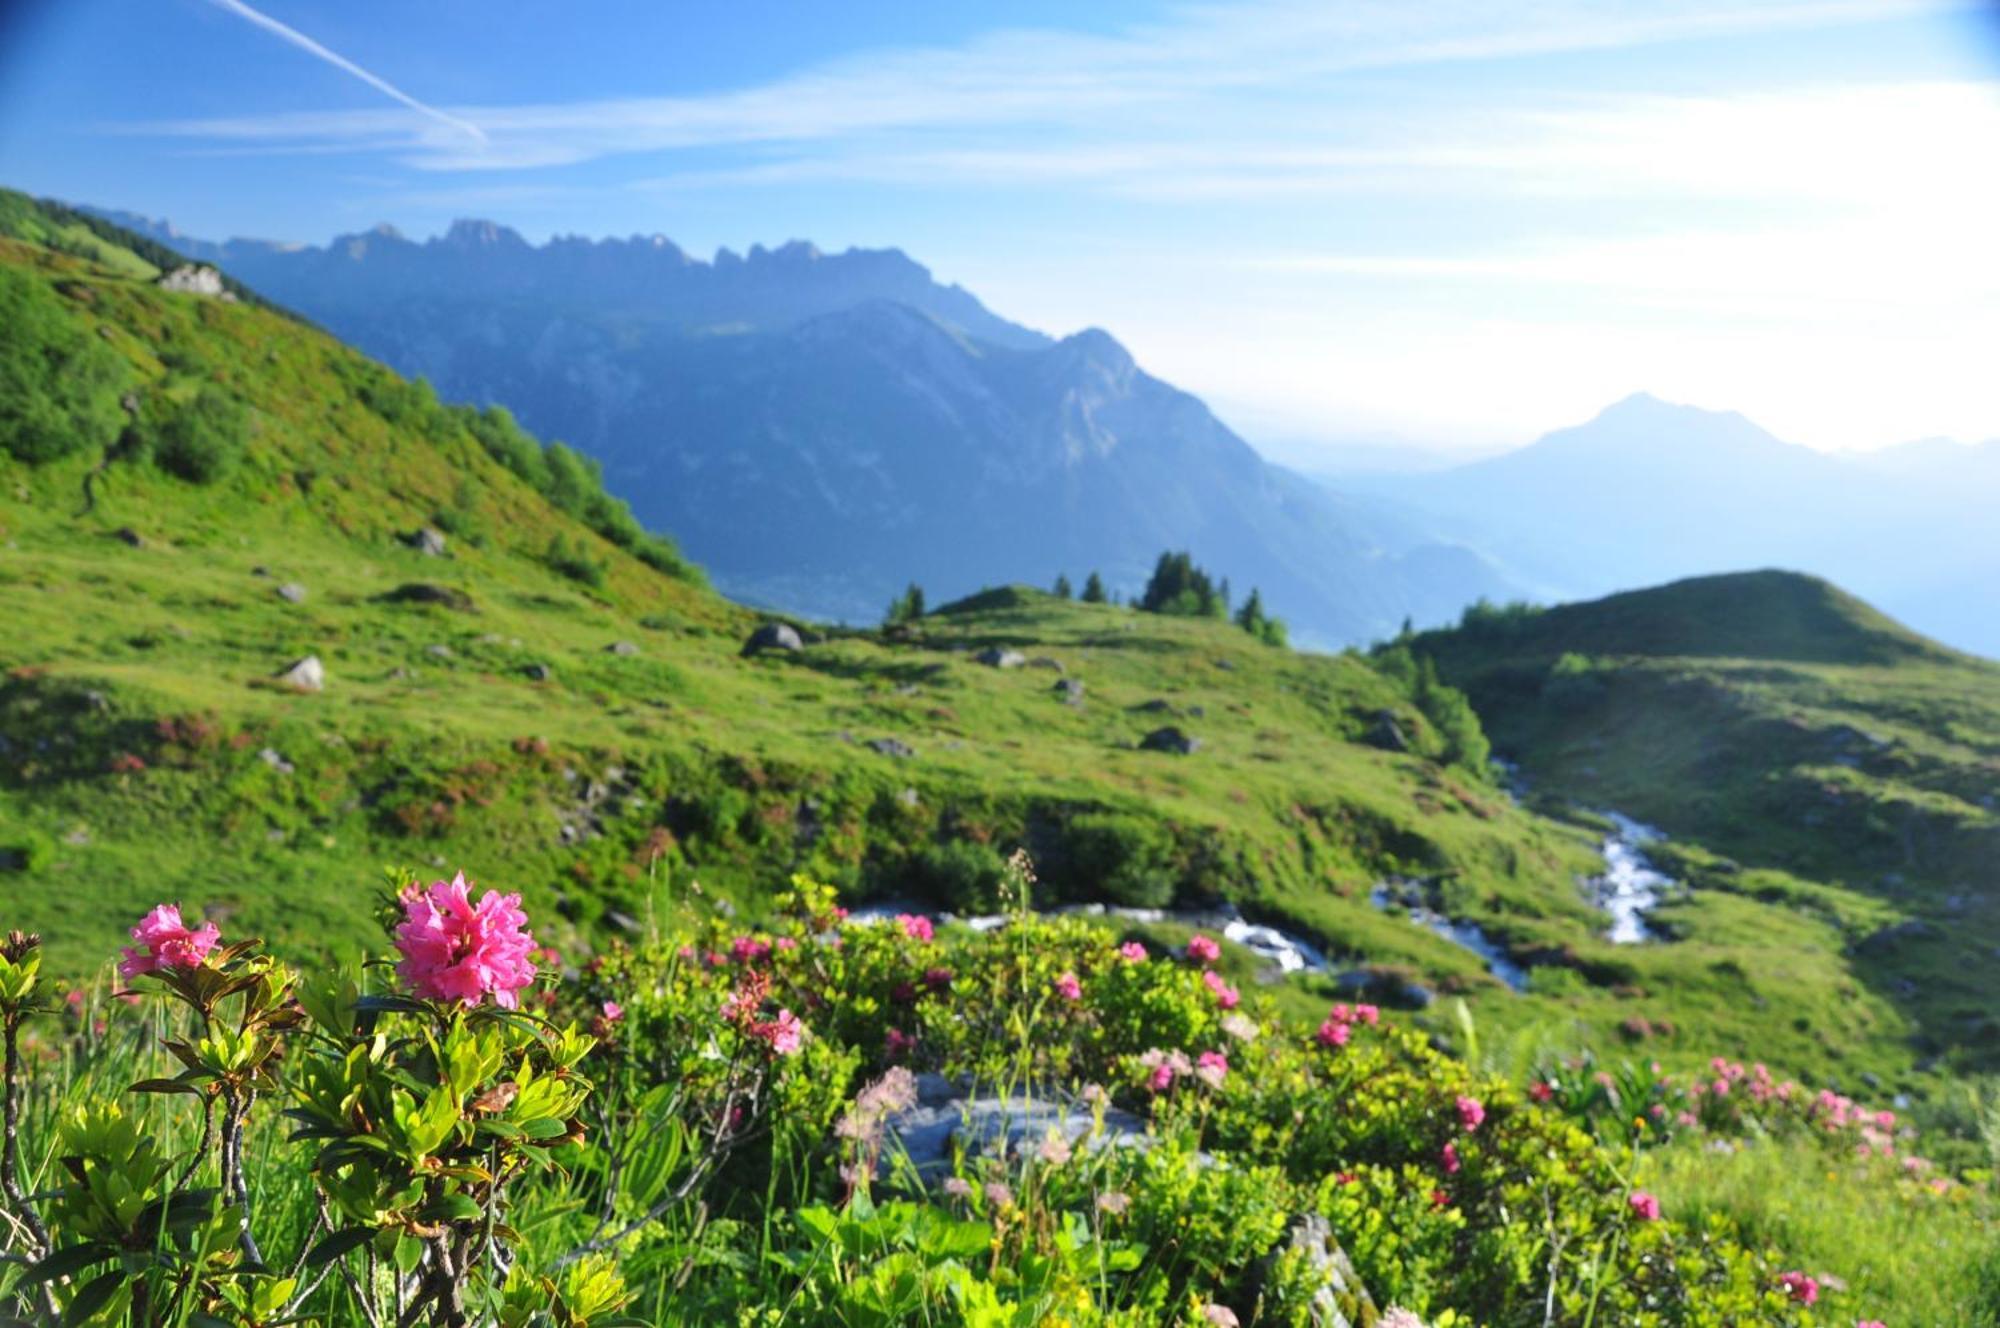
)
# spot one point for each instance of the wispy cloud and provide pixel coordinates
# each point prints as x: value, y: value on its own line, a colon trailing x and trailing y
x: 287, y: 33
x: 1083, y: 94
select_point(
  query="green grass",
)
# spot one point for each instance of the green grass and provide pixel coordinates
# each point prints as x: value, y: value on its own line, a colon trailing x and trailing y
x: 1933, y: 1261
x: 684, y: 765
x: 1845, y: 778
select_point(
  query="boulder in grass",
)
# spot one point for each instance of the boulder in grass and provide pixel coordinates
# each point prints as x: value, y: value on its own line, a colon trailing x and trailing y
x: 426, y: 592
x: 621, y: 648
x: 1070, y: 689
x: 427, y: 540
x: 999, y: 657
x: 1340, y: 1300
x: 773, y: 636
x: 1170, y: 739
x: 307, y: 675
x: 292, y: 593
x: 895, y: 747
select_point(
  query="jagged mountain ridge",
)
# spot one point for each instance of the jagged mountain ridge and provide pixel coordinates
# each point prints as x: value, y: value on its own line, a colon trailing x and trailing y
x: 819, y: 429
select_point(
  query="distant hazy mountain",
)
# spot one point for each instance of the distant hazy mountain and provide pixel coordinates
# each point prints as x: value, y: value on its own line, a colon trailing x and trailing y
x: 819, y: 429
x: 1649, y: 492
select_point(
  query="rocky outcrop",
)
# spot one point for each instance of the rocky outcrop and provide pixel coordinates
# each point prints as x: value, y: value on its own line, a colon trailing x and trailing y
x: 1170, y: 739
x: 773, y: 636
x: 194, y: 279
x: 307, y: 675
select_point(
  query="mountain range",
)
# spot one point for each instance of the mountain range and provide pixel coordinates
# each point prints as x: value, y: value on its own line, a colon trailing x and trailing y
x: 1649, y: 491
x: 821, y: 429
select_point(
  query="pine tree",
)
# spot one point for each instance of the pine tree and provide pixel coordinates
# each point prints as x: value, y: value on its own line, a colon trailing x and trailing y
x: 906, y: 607
x: 1063, y: 590
x: 1093, y: 589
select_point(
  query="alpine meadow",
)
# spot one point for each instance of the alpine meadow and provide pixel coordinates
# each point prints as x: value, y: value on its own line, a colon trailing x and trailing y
x: 556, y: 783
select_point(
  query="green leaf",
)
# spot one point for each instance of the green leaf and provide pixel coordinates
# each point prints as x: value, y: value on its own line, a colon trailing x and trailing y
x: 338, y: 1244
x: 93, y: 1297
x: 63, y: 1262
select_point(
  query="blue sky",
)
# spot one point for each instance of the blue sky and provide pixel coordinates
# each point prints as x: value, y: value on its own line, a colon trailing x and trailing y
x: 1449, y: 221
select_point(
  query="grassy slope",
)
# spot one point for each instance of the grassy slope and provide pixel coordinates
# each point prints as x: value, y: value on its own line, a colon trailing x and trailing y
x: 1806, y: 752
x: 684, y: 764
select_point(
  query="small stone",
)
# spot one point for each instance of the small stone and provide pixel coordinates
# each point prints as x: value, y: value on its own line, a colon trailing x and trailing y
x: 439, y: 651
x: 1044, y: 662
x: 271, y: 757
x: 621, y: 648
x: 292, y: 593
x: 427, y: 540
x: 895, y: 747
x: 539, y: 672
x: 773, y: 636
x: 307, y: 675
x: 1070, y: 689
x: 1170, y: 739
x: 999, y: 657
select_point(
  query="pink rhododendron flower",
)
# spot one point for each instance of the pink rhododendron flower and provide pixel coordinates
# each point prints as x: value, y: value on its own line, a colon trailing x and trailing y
x: 998, y: 1194
x: 1211, y: 1067
x: 1471, y: 1111
x: 1334, y: 1034
x: 916, y: 926
x: 1225, y: 995
x: 1069, y: 988
x: 167, y: 942
x: 1449, y: 1157
x: 457, y: 950
x: 1367, y: 1014
x: 1203, y: 949
x: 1870, y: 1323
x: 785, y: 1033
x: 1398, y: 1317
x: 1644, y: 1206
x: 749, y: 950
x: 1113, y: 1203
x: 1801, y: 1287
x: 898, y: 1043
x: 613, y: 1012
x: 1133, y: 952
x: 1541, y: 1090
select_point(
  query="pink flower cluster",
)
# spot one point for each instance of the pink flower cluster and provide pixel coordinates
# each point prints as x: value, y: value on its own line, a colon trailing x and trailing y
x: 1212, y: 1068
x: 744, y: 1008
x: 167, y: 942
x: 916, y: 926
x: 1203, y: 949
x: 1132, y: 952
x: 1339, y: 1024
x: 1644, y: 1206
x: 1225, y: 995
x: 1069, y: 988
x: 1162, y: 1067
x: 1801, y: 1287
x: 1471, y: 1112
x: 457, y: 950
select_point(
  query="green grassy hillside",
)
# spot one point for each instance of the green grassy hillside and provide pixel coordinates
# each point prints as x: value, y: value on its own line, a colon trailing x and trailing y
x: 560, y: 705
x: 1804, y: 751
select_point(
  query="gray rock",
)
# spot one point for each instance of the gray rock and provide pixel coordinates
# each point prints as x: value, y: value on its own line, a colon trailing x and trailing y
x: 891, y: 747
x: 307, y: 675
x: 127, y: 535
x: 427, y: 540
x: 428, y: 592
x: 271, y: 757
x: 999, y: 657
x: 624, y: 922
x: 621, y: 648
x: 1070, y: 689
x: 947, y: 1113
x: 439, y: 651
x: 1341, y: 1301
x: 1170, y: 739
x: 1226, y: 665
x: 773, y: 636
x: 539, y: 672
x: 1387, y: 734
x: 292, y: 593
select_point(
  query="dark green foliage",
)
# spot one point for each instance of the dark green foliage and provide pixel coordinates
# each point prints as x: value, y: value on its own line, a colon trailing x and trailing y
x: 573, y: 560
x: 1179, y: 587
x: 1123, y: 858
x: 202, y: 438
x: 1463, y: 739
x: 575, y: 484
x: 1063, y: 589
x: 960, y: 875
x: 1093, y: 589
x: 58, y: 386
x: 1573, y: 682
x: 1252, y: 619
x: 906, y: 607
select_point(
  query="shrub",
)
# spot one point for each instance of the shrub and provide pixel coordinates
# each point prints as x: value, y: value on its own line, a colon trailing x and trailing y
x: 962, y: 876
x: 574, y: 561
x: 1122, y: 858
x: 202, y: 439
x: 58, y: 385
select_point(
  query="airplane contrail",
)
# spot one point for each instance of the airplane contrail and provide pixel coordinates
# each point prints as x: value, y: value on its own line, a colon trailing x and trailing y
x: 340, y: 62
